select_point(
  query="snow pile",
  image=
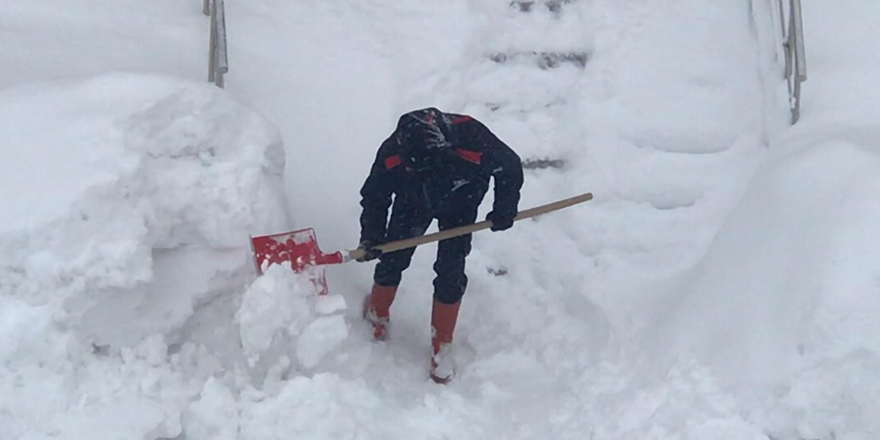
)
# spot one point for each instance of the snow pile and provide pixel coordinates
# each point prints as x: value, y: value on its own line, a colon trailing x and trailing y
x: 783, y: 308
x: 789, y: 293
x: 157, y: 176
x: 127, y: 202
x: 281, y: 318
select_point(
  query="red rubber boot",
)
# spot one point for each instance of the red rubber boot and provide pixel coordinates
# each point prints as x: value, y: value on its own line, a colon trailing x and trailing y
x: 377, y: 309
x: 443, y: 319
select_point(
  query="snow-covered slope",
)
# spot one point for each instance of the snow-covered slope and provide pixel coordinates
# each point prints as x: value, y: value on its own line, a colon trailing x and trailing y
x: 714, y: 288
x: 784, y: 306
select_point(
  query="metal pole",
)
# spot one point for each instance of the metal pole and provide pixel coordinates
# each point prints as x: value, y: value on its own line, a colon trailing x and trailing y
x: 212, y: 43
x: 796, y: 111
x: 221, y: 59
x: 795, y: 59
x: 800, y: 52
x: 790, y: 46
x: 781, y: 17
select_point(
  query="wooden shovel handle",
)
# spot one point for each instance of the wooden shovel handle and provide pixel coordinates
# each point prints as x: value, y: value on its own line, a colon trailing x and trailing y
x: 468, y: 229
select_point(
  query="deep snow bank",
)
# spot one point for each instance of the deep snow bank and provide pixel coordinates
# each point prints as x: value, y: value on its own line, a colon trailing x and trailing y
x: 162, y: 183
x: 53, y: 386
x: 784, y: 305
x: 788, y: 295
x: 159, y: 176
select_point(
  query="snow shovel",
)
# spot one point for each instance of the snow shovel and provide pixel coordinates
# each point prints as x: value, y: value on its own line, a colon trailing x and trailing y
x: 300, y: 248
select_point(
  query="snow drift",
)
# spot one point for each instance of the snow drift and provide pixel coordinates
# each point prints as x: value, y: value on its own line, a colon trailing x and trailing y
x: 791, y: 288
x: 128, y: 201
x: 158, y: 176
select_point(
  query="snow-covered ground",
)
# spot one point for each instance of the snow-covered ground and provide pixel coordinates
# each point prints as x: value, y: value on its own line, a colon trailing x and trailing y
x: 722, y: 284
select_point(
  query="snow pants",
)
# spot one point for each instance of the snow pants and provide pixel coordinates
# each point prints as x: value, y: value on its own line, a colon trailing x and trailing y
x: 407, y: 222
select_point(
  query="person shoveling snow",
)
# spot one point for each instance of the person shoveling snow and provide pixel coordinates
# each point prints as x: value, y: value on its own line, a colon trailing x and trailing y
x: 437, y: 166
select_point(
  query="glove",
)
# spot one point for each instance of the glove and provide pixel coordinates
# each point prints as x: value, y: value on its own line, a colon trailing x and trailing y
x: 500, y: 222
x: 370, y: 251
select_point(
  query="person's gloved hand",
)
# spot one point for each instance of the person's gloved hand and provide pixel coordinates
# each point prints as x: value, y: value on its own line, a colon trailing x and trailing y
x: 499, y: 221
x: 370, y: 251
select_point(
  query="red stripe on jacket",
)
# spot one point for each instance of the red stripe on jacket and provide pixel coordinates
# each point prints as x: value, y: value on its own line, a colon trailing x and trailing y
x: 468, y: 155
x: 392, y: 161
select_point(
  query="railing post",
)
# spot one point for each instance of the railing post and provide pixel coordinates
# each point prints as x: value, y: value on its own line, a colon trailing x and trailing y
x: 218, y: 63
x: 795, y: 54
x: 786, y: 40
x: 212, y: 40
x: 221, y: 62
x: 799, y: 49
x: 798, y: 57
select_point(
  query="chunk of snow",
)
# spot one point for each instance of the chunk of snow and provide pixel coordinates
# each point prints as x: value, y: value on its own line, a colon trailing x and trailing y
x: 320, y: 337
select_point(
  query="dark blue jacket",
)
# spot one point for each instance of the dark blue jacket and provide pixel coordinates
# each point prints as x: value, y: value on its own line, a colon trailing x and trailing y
x: 458, y: 184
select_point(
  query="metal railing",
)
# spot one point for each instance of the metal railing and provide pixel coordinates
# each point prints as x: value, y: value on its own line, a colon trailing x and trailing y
x: 795, y: 55
x: 218, y: 62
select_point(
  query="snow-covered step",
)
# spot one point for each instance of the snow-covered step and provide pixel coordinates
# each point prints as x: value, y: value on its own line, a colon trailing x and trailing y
x: 544, y: 60
x: 488, y: 88
x: 513, y: 107
x: 543, y: 163
x: 529, y: 5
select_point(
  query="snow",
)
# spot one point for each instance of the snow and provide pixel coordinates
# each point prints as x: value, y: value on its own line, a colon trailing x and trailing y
x: 281, y: 310
x: 786, y: 296
x: 124, y: 197
x: 721, y: 284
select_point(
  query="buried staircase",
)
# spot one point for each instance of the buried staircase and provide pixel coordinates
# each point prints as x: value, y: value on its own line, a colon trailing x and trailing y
x: 570, y: 85
x: 532, y: 50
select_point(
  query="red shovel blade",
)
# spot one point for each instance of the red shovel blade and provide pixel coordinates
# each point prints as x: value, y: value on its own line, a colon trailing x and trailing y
x: 297, y: 248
